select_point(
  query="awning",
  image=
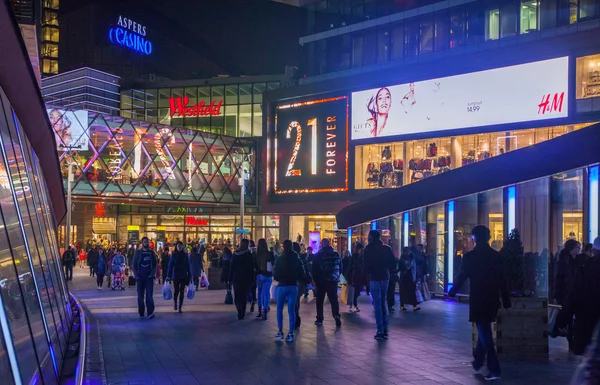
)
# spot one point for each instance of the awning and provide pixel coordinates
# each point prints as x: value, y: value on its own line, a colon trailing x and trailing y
x: 18, y: 81
x: 567, y: 152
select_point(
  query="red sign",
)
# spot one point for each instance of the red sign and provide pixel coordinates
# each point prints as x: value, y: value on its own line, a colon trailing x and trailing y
x: 555, y: 105
x: 180, y: 107
x: 196, y: 221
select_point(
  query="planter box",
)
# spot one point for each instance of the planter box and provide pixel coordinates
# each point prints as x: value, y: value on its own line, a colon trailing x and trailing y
x: 214, y: 278
x: 521, y: 333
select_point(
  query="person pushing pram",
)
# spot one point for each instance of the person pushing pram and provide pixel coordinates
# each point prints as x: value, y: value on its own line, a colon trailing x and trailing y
x: 117, y: 269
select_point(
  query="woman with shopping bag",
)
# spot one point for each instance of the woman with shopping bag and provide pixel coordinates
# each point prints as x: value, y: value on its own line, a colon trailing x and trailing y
x: 179, y: 272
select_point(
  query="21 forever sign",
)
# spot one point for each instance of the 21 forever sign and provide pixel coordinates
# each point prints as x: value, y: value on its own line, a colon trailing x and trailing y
x: 521, y: 93
x: 311, y: 147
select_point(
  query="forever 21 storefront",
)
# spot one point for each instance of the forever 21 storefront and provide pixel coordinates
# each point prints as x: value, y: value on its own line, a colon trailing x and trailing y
x: 421, y: 122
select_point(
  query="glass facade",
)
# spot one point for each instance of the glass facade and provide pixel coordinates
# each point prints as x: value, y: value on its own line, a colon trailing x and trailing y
x: 236, y: 108
x: 429, y: 32
x: 118, y: 157
x: 395, y: 164
x: 588, y: 77
x: 34, y: 313
x: 547, y: 212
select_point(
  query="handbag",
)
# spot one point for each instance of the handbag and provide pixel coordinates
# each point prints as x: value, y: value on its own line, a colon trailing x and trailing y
x: 344, y: 294
x: 419, y: 293
x: 426, y: 292
x: 204, y: 281
x: 191, y: 290
x: 228, y: 299
x: 166, y: 292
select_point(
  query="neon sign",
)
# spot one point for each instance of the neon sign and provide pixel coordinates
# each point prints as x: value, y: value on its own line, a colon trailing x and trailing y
x: 130, y: 34
x: 180, y: 107
x: 311, y: 146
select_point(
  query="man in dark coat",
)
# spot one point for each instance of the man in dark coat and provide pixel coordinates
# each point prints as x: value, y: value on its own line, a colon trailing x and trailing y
x: 483, y: 267
x: 92, y: 258
x: 326, y: 270
x: 242, y: 276
x: 583, y: 299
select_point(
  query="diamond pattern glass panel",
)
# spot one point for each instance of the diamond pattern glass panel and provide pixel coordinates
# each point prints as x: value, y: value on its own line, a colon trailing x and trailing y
x: 142, y: 160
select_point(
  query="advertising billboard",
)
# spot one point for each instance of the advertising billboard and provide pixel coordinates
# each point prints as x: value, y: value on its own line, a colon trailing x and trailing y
x: 520, y: 93
x: 311, y: 146
x: 70, y: 129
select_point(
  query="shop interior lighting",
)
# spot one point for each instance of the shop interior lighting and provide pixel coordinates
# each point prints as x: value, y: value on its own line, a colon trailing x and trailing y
x: 450, y: 249
x: 593, y: 202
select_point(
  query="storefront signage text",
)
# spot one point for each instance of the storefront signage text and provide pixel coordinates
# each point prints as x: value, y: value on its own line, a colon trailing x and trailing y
x: 185, y: 210
x: 131, y: 35
x: 311, y: 147
x: 180, y: 107
x: 194, y: 221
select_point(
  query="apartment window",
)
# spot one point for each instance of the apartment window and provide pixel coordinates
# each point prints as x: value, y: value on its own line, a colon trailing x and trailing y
x: 397, y: 41
x: 492, y: 23
x: 370, y: 48
x: 573, y: 11
x: 548, y: 14
x: 358, y: 44
x: 383, y: 45
x: 475, y: 25
x: 529, y: 16
x: 457, y: 29
x: 411, y: 38
x: 426, y: 35
x: 587, y: 9
x: 509, y: 16
x: 442, y: 31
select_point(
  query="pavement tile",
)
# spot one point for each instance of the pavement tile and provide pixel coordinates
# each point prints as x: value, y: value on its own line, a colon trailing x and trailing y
x: 207, y: 345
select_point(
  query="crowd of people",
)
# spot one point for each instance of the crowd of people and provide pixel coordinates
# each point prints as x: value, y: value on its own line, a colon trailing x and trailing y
x: 250, y: 270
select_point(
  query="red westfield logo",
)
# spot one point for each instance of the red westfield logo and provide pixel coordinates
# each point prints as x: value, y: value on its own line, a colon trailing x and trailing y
x: 180, y: 107
x: 551, y: 103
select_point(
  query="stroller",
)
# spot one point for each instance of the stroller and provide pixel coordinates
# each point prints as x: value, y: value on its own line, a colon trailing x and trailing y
x: 117, y: 282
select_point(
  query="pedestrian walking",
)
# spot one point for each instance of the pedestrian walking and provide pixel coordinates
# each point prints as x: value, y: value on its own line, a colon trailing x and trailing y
x: 564, y: 275
x: 378, y: 261
x: 408, y: 280
x: 101, y: 268
x: 484, y: 268
x: 357, y: 275
x: 583, y: 299
x: 179, y: 272
x: 264, y: 262
x: 288, y: 271
x: 196, y: 266
x: 145, y: 263
x: 326, y: 270
x: 68, y: 261
x: 394, y: 280
x: 165, y: 257
x: 92, y: 260
x: 302, y: 283
x: 242, y: 276
x: 225, y: 265
x: 82, y: 258
x: 252, y: 297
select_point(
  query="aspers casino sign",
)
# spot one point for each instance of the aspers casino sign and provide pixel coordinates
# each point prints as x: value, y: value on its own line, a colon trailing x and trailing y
x: 130, y: 34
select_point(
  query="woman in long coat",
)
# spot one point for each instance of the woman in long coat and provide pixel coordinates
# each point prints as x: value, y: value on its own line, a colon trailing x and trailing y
x: 408, y: 280
x: 196, y: 266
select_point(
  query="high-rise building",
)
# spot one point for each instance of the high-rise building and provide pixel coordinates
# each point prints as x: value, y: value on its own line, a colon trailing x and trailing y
x: 38, y: 21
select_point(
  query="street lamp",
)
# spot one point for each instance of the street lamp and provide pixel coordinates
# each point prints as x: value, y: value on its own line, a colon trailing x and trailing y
x: 242, y: 184
x: 69, y: 180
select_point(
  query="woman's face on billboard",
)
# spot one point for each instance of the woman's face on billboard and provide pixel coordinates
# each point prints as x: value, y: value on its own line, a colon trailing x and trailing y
x: 56, y: 120
x: 384, y: 99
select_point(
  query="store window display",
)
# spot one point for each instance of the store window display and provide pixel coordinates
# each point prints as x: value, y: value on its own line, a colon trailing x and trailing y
x: 392, y: 165
x: 588, y: 76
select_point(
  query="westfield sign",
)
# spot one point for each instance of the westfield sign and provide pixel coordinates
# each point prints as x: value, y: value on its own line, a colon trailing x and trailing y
x: 179, y: 107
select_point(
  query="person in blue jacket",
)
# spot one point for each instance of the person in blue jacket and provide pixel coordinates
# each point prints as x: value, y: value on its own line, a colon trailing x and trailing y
x: 179, y: 272
x: 101, y: 268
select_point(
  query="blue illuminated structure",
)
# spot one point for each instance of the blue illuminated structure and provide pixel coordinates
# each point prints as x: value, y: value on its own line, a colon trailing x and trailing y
x: 593, y: 202
x: 406, y: 234
x: 131, y: 40
x: 450, y: 248
x: 374, y: 225
x: 512, y: 208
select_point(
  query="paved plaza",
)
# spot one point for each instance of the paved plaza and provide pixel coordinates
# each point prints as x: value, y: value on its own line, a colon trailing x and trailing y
x: 208, y: 345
